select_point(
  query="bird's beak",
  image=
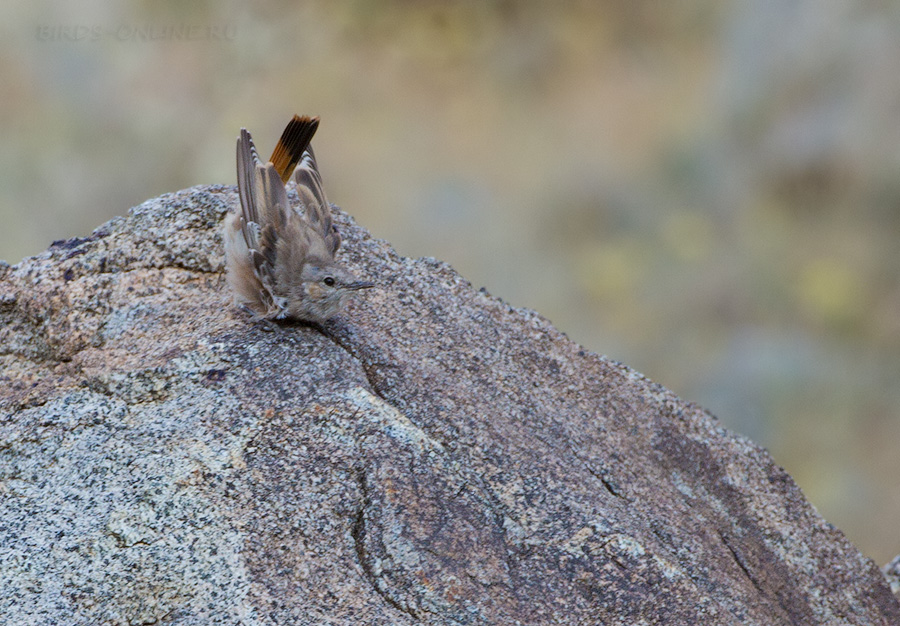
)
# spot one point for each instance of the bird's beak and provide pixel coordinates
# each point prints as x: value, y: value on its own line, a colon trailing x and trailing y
x: 360, y: 284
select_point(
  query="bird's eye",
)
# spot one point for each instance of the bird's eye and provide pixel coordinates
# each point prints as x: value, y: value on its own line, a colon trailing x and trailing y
x: 328, y: 280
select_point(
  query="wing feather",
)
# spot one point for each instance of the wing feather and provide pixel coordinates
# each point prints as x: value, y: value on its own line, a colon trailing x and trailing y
x: 264, y: 212
x: 312, y: 195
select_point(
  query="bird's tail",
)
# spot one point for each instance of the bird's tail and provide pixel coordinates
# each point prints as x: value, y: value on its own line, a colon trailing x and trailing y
x: 294, y: 141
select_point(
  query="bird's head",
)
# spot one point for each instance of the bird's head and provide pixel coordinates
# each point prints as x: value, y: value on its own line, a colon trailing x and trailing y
x: 322, y: 290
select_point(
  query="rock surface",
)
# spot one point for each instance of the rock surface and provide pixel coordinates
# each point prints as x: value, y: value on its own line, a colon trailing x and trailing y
x: 892, y: 573
x: 434, y: 456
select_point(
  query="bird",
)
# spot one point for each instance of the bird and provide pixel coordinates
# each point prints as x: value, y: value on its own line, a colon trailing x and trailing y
x: 280, y: 259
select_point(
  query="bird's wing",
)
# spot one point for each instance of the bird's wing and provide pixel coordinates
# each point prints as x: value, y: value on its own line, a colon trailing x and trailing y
x: 312, y: 195
x: 264, y: 209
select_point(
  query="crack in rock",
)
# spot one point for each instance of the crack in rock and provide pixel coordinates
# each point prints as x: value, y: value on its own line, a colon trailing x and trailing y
x: 358, y: 533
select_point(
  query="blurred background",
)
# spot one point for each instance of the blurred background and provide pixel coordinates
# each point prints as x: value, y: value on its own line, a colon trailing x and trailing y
x: 708, y: 191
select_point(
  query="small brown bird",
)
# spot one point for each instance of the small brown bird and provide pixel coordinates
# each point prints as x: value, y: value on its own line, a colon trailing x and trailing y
x: 280, y: 261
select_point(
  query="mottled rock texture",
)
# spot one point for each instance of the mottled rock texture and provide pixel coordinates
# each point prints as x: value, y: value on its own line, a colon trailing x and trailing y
x: 892, y: 572
x: 434, y: 456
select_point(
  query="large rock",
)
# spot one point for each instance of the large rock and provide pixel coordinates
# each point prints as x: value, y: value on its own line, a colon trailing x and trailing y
x: 434, y: 456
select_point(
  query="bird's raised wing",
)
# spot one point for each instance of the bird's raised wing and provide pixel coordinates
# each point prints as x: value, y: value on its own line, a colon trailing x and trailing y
x: 264, y: 210
x: 312, y: 195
